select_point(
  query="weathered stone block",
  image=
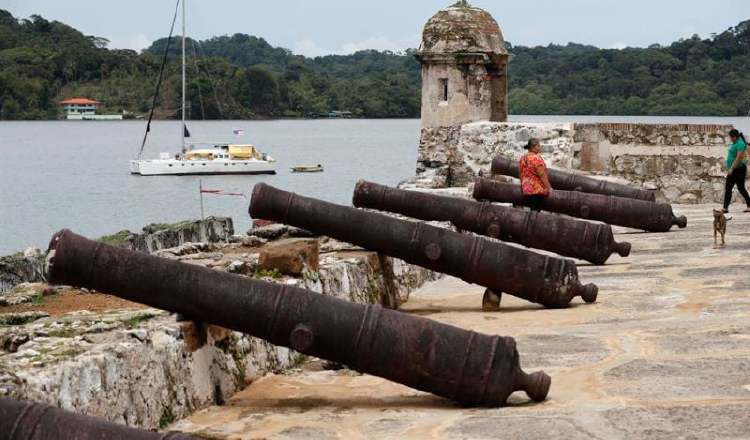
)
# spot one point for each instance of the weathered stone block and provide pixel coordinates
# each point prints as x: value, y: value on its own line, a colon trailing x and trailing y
x: 291, y: 257
x: 194, y: 334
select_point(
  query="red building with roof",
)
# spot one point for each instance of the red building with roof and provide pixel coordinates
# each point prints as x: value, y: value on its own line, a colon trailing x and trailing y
x: 80, y: 106
x: 85, y: 109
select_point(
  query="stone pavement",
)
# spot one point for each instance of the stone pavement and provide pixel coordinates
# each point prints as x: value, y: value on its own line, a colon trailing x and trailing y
x: 664, y: 354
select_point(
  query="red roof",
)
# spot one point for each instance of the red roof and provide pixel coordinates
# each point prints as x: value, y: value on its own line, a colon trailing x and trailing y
x: 80, y: 101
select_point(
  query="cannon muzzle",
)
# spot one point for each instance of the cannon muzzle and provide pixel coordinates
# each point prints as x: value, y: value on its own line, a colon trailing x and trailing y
x: 550, y: 281
x: 630, y: 213
x: 575, y: 182
x: 470, y: 368
x: 593, y: 242
x: 34, y: 421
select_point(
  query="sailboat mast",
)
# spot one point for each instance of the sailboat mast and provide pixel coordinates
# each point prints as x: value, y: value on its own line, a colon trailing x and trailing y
x: 184, y: 86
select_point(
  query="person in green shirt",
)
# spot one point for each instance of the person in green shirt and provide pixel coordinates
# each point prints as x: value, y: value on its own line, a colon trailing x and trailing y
x: 737, y: 169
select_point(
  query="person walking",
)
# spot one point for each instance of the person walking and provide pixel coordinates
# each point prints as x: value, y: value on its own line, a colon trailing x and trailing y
x: 534, y: 179
x: 736, y: 169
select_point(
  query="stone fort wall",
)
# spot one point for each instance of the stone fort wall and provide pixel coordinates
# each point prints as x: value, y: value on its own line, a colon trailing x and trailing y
x: 683, y: 163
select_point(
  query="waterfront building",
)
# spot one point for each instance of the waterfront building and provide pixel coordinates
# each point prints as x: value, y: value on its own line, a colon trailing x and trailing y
x: 84, y: 109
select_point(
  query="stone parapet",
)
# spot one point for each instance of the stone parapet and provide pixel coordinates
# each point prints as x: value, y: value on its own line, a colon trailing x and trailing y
x: 683, y: 162
x: 28, y: 266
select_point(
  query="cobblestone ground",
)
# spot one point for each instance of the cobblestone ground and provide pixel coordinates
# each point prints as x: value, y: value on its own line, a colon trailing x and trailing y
x: 664, y: 354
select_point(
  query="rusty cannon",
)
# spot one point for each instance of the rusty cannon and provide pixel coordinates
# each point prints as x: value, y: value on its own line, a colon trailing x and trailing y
x: 469, y: 368
x: 552, y: 282
x: 34, y: 421
x: 575, y: 182
x: 592, y: 242
x: 630, y: 213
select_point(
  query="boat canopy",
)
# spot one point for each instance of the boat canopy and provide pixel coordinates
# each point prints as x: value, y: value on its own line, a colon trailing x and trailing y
x: 244, y: 152
x: 200, y: 154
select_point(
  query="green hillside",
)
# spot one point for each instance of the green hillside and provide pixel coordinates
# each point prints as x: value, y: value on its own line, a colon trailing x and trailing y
x: 242, y: 76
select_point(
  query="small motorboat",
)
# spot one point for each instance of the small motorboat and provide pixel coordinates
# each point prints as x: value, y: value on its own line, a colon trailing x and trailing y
x: 308, y: 169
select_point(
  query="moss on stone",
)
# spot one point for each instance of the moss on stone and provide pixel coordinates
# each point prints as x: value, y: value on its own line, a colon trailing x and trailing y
x: 66, y: 332
x: 136, y: 320
x: 167, y: 417
x: 115, y: 239
x: 157, y: 227
x: 263, y: 273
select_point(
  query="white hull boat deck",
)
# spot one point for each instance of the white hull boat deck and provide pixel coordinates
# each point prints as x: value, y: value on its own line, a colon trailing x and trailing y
x: 175, y: 167
x: 218, y: 159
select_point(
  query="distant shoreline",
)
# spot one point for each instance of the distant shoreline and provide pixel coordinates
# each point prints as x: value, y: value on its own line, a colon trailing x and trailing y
x: 512, y: 116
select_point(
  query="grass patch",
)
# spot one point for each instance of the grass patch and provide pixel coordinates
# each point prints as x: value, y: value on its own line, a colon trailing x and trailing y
x: 65, y: 332
x: 37, y: 300
x: 264, y: 273
x: 167, y: 418
x: 156, y: 227
x: 115, y: 239
x: 311, y: 276
x: 69, y: 353
x: 298, y: 360
x: 137, y: 320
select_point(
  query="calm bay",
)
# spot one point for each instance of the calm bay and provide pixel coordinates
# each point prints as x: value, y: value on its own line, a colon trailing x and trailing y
x: 73, y: 174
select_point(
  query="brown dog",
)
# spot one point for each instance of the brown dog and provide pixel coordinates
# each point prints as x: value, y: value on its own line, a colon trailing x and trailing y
x: 720, y: 227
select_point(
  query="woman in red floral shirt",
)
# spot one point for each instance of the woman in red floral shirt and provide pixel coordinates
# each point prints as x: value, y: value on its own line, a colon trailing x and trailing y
x: 534, y: 180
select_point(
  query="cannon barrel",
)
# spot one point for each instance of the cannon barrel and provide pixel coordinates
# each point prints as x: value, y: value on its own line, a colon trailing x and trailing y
x: 593, y: 242
x: 630, y: 213
x: 550, y: 281
x: 34, y: 421
x: 470, y: 368
x: 575, y: 182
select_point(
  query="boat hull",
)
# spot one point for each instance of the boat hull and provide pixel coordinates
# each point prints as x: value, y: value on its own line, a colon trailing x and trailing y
x: 199, y: 168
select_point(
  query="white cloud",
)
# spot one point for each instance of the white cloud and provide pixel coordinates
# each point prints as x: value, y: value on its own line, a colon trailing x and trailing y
x: 135, y: 42
x: 310, y: 48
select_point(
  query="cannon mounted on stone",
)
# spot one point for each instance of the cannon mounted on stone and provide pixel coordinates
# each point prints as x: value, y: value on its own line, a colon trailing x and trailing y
x: 575, y: 182
x: 464, y: 366
x: 630, y: 213
x: 592, y: 242
x: 550, y: 281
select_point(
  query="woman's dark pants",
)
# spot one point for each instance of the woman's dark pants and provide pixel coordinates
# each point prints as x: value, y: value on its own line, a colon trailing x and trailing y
x: 535, y: 202
x: 737, y: 178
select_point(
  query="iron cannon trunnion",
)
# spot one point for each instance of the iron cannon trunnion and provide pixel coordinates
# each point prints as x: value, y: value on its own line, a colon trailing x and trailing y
x: 552, y: 282
x: 34, y: 421
x: 593, y: 242
x: 575, y: 182
x: 630, y: 213
x: 470, y: 368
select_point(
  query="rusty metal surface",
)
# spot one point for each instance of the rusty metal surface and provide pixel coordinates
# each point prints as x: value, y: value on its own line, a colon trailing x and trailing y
x: 630, y: 213
x: 470, y: 368
x: 593, y: 242
x: 576, y: 182
x: 550, y: 281
x: 34, y: 421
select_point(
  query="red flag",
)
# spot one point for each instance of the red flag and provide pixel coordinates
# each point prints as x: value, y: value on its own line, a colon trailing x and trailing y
x: 221, y: 192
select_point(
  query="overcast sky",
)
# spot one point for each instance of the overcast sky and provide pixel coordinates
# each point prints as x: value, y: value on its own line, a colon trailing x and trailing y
x: 343, y: 26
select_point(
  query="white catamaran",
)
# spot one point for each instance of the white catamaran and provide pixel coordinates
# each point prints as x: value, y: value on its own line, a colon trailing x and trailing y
x: 200, y: 158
